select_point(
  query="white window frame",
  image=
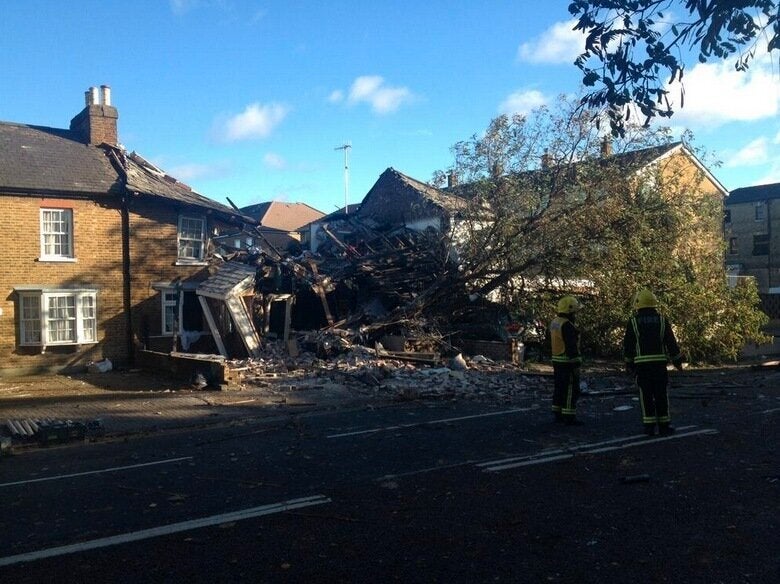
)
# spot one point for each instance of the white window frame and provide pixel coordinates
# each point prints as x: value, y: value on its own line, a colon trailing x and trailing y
x: 47, y: 253
x: 178, y: 301
x: 82, y: 318
x: 181, y: 241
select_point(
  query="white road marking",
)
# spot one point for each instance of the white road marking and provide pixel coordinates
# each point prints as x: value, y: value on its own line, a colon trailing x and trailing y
x: 569, y: 449
x: 431, y: 422
x: 99, y: 471
x: 166, y: 530
x: 497, y: 466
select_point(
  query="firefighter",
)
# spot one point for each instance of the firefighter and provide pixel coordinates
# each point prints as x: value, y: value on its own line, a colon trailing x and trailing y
x: 649, y: 344
x: 566, y: 360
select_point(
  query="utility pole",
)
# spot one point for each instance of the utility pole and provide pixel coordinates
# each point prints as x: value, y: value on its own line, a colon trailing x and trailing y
x: 346, y: 147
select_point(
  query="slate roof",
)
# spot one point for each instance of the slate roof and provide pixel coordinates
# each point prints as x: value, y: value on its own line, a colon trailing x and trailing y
x: 142, y: 177
x: 42, y: 160
x: 631, y: 162
x: 449, y: 202
x: 36, y: 159
x: 230, y: 278
x: 282, y: 215
x: 754, y: 194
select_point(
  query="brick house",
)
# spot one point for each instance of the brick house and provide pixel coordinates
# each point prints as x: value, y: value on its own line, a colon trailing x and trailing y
x: 752, y: 225
x: 280, y: 222
x: 102, y: 250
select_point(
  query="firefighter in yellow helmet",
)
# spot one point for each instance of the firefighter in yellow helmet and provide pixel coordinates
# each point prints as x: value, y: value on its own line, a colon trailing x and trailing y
x: 566, y: 360
x: 648, y: 345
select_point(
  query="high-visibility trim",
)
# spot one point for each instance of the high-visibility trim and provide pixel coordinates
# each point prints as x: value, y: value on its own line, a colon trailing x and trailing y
x: 556, y: 408
x: 565, y: 359
x: 650, y: 358
x: 649, y: 419
x: 568, y: 411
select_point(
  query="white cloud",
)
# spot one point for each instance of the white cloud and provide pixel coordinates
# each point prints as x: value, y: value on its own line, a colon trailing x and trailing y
x: 373, y: 90
x: 195, y: 171
x: 336, y: 96
x: 256, y: 121
x: 558, y: 44
x: 771, y: 176
x: 715, y: 94
x: 753, y: 154
x: 777, y: 139
x: 522, y: 102
x: 273, y: 160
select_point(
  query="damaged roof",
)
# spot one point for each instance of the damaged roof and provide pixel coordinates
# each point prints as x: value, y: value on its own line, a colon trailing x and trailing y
x: 231, y: 278
x: 37, y: 159
x: 396, y: 197
x: 41, y: 160
x: 142, y: 177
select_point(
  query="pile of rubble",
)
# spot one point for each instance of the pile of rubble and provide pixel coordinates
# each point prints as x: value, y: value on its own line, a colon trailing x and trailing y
x: 377, y: 372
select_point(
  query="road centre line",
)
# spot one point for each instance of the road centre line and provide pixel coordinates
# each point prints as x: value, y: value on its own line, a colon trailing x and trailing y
x: 568, y: 450
x: 166, y: 530
x: 642, y: 442
x: 99, y: 471
x: 431, y: 422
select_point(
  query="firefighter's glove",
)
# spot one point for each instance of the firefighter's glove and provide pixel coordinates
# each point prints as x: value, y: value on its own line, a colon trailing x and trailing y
x: 678, y: 365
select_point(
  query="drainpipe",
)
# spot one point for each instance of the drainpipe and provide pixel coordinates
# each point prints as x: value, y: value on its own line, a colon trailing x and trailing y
x: 126, y: 297
x: 769, y: 237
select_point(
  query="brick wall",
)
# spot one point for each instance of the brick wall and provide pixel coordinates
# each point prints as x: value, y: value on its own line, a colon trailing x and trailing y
x: 97, y: 240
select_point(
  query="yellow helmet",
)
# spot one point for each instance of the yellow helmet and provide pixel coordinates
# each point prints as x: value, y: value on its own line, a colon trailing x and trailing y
x: 645, y: 299
x: 568, y: 305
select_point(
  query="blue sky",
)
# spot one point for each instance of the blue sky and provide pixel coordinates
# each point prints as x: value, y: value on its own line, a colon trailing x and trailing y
x: 249, y: 99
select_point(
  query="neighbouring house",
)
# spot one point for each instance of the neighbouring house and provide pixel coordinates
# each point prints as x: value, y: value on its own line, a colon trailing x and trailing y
x: 279, y: 223
x: 104, y: 252
x: 752, y: 227
x: 395, y: 200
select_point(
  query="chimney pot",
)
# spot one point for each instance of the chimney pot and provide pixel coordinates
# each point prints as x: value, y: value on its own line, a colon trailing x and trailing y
x: 96, y: 123
x: 546, y: 159
x: 606, y: 147
x: 452, y: 179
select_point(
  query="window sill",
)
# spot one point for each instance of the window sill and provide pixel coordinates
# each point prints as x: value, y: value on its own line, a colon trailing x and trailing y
x: 56, y: 260
x: 181, y: 262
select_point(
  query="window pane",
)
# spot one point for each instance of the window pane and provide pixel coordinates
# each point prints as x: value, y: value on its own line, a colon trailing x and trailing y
x: 88, y: 319
x: 56, y: 232
x: 30, y: 319
x: 191, y: 238
x: 61, y: 319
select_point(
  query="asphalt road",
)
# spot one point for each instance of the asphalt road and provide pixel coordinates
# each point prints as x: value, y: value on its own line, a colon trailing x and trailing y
x: 418, y: 492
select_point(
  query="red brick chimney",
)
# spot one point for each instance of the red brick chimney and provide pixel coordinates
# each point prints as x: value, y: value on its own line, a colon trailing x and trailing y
x: 96, y: 124
x: 606, y: 147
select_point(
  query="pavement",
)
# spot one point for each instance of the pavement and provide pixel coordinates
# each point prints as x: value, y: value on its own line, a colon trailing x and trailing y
x: 137, y: 402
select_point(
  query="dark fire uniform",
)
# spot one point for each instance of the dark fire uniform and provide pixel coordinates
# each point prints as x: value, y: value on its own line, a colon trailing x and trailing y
x: 649, y: 344
x: 566, y: 360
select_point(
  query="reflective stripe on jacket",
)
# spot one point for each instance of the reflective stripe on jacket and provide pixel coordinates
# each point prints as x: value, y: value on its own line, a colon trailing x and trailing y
x: 649, y: 339
x: 565, y: 341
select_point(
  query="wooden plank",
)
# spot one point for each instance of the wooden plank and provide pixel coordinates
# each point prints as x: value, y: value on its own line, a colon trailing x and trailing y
x: 244, y: 325
x: 321, y: 293
x: 212, y: 325
x: 287, y: 318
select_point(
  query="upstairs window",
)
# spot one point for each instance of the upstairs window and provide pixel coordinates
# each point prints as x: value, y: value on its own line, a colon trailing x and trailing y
x: 192, y: 239
x: 761, y: 244
x: 732, y: 245
x: 57, y: 317
x: 56, y: 234
x: 760, y: 211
